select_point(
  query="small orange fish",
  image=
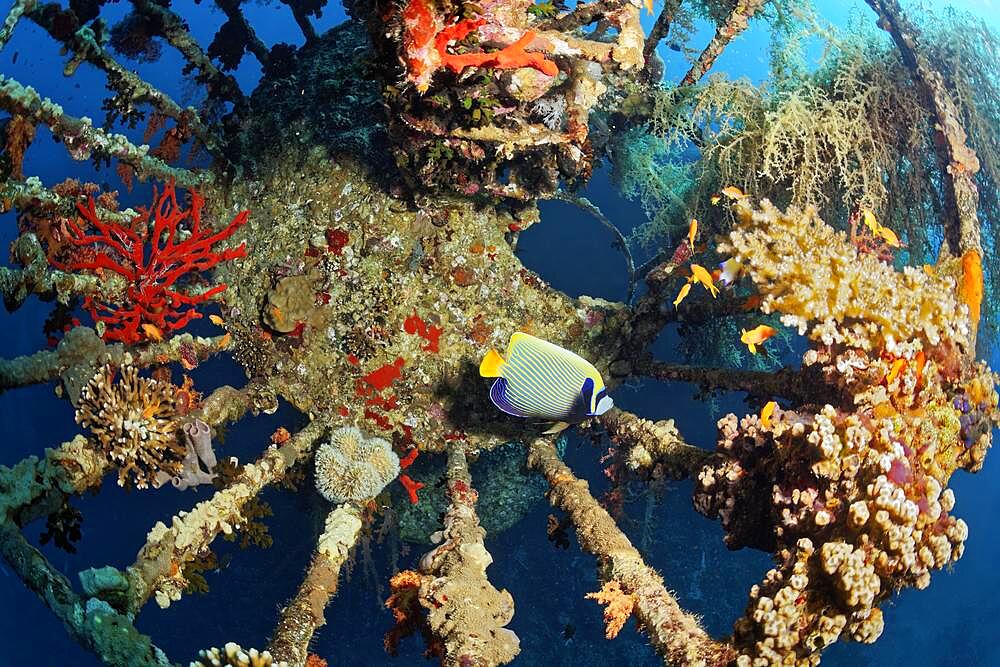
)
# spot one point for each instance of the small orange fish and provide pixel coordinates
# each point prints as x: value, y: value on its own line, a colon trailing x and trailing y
x: 225, y: 340
x: 752, y: 303
x: 871, y: 222
x: 152, y: 332
x: 715, y: 199
x: 921, y: 361
x: 278, y: 315
x: 756, y: 336
x: 683, y: 293
x: 216, y: 320
x: 648, y: 5
x: 889, y: 237
x: 766, y: 412
x: 700, y: 275
x: 894, y: 371
x: 733, y: 192
x: 692, y: 232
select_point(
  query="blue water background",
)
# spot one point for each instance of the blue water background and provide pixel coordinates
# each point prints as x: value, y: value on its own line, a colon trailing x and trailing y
x: 952, y: 623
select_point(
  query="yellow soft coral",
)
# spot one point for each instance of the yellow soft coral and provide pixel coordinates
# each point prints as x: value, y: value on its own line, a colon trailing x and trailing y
x: 813, y: 275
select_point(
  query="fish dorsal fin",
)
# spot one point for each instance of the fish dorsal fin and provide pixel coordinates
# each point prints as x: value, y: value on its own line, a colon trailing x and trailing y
x: 557, y: 427
x: 492, y: 365
x: 587, y: 393
x: 551, y: 350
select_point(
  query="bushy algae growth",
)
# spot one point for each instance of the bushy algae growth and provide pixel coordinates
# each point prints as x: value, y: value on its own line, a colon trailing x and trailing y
x: 376, y: 267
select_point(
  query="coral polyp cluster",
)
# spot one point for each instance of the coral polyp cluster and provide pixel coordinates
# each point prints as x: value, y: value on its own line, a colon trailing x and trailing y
x: 852, y: 499
x: 233, y: 655
x: 134, y: 422
x: 497, y: 96
x: 809, y: 273
x: 353, y: 467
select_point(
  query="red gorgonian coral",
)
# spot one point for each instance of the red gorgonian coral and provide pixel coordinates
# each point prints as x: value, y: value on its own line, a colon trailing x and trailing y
x: 154, y: 259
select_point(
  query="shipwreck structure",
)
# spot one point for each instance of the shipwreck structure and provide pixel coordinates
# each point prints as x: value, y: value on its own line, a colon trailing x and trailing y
x: 363, y: 267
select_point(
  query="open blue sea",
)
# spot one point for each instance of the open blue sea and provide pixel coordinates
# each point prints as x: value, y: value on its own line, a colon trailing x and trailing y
x: 955, y: 622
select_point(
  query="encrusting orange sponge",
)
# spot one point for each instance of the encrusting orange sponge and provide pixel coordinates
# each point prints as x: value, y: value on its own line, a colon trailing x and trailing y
x: 970, y: 289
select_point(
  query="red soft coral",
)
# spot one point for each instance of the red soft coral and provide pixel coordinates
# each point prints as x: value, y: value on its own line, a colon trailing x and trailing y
x: 153, y: 296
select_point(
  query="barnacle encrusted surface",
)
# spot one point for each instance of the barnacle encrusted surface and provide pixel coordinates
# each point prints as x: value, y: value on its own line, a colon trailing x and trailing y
x: 233, y: 655
x: 351, y: 467
x: 809, y: 271
x: 134, y: 422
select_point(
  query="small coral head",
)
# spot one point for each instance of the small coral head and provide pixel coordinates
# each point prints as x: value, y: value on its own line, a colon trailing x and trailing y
x: 352, y: 468
x: 134, y: 422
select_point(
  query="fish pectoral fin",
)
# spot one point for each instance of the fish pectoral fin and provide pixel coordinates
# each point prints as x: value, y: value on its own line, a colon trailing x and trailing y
x: 491, y: 365
x: 557, y: 427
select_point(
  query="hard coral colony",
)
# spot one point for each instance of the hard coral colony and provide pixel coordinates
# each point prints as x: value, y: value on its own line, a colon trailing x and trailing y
x: 392, y: 165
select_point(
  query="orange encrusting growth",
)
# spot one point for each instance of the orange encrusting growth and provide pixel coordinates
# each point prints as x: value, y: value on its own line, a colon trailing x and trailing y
x: 512, y: 56
x: 425, y: 47
x: 970, y: 288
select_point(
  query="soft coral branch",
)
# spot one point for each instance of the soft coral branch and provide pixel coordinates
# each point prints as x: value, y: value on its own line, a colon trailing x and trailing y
x: 152, y: 296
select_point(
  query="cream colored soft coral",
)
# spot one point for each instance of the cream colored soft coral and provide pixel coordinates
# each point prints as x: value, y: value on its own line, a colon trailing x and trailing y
x: 813, y: 275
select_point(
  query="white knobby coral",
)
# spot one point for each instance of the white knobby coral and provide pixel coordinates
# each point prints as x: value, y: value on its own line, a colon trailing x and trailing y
x: 351, y: 467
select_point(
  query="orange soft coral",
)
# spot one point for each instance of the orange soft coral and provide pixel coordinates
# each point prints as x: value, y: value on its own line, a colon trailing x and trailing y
x: 970, y: 289
x: 405, y: 607
x: 425, y: 47
x: 619, y: 606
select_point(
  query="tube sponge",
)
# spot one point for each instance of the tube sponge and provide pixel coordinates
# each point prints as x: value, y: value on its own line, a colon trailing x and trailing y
x: 351, y: 467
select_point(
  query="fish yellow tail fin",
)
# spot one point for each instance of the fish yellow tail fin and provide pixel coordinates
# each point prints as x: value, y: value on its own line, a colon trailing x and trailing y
x: 491, y: 365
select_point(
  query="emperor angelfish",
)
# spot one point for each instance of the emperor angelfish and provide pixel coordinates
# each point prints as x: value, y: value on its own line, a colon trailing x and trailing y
x: 542, y: 380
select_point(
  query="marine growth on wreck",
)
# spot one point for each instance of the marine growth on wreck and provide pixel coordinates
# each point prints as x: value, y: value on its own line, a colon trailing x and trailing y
x: 345, y: 232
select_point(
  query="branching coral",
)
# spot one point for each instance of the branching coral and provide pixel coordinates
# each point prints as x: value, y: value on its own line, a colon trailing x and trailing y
x: 233, y: 655
x: 179, y: 250
x: 134, y: 422
x: 811, y: 273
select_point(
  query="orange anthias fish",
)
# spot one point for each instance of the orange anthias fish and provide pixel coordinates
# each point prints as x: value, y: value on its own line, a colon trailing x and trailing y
x: 692, y: 232
x: 894, y: 370
x: 886, y: 234
x: 756, y: 336
x: 649, y: 5
x: 216, y: 320
x: 152, y: 332
x: 683, y: 293
x: 700, y: 275
x: 766, y: 412
x: 733, y: 192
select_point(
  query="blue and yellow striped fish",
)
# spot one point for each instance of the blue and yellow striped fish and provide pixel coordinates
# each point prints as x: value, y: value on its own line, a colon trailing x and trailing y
x: 544, y: 381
